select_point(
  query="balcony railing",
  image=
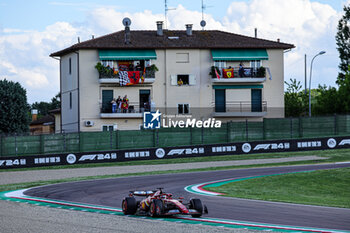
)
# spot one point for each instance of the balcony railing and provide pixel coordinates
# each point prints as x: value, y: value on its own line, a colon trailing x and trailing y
x: 247, y: 74
x: 133, y: 111
x: 240, y: 109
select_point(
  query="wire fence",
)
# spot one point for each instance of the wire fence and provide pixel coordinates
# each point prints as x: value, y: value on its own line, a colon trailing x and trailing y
x: 268, y: 129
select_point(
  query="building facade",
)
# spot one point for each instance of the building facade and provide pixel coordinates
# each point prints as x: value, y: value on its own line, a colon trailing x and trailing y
x: 203, y: 74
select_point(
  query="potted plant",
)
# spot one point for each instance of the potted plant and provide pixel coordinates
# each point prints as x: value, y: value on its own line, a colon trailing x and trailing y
x: 212, y: 71
x: 105, y: 72
x: 151, y: 70
x: 261, y: 72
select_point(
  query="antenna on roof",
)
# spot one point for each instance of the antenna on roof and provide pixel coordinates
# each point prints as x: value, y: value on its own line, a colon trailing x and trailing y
x: 203, y: 23
x: 166, y: 12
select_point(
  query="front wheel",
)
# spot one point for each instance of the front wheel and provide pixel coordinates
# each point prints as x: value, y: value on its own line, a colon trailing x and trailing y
x: 156, y: 208
x: 129, y: 205
x: 197, y: 205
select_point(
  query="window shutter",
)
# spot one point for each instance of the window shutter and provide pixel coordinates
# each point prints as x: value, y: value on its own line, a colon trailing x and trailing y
x: 173, y: 80
x: 192, y: 79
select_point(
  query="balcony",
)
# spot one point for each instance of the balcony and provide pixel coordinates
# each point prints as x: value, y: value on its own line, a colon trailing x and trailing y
x: 114, y: 78
x: 248, y: 75
x: 133, y: 111
x: 240, y: 109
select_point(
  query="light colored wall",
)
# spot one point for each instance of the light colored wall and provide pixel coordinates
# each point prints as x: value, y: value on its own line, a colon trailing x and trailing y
x: 273, y: 91
x: 57, y: 123
x: 163, y: 94
x: 69, y: 84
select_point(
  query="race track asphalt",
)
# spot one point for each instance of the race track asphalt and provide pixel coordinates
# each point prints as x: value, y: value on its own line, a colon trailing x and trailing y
x: 110, y: 192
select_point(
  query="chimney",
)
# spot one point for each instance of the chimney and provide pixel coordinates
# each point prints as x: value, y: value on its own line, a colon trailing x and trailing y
x: 159, y: 28
x: 34, y: 114
x: 127, y: 34
x: 189, y: 29
x: 256, y: 32
x: 278, y: 40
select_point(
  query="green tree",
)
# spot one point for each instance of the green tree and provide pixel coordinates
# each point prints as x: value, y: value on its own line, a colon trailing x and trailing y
x: 344, y: 93
x: 326, y: 101
x: 13, y: 108
x: 44, y: 107
x: 343, y: 44
x: 295, y: 100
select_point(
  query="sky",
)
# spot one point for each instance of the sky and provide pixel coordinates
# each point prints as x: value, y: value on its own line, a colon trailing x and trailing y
x: 31, y: 30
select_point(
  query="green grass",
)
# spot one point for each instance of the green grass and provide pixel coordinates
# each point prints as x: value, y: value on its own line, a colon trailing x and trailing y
x: 323, y: 187
x: 332, y: 155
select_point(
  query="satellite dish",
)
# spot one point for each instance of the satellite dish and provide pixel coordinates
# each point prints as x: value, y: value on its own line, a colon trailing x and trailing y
x: 203, y: 23
x: 126, y: 22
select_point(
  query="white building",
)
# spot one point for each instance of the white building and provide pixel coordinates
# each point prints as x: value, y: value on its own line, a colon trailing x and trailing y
x: 252, y: 93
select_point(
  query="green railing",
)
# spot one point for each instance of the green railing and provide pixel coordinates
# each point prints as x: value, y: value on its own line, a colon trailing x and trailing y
x: 268, y: 129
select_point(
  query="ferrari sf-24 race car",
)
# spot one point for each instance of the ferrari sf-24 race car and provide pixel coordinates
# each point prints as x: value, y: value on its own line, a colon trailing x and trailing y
x: 157, y: 203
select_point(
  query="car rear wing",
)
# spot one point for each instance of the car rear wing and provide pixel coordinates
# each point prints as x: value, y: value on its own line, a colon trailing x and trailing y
x: 142, y: 193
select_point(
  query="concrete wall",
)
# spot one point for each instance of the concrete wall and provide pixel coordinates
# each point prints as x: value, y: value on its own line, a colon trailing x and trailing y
x: 69, y: 93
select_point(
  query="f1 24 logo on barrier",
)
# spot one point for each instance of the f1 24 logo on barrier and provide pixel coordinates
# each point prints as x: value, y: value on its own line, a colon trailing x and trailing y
x: 151, y: 120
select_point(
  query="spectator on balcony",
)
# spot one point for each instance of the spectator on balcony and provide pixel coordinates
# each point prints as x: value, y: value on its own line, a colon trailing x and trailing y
x: 138, y: 67
x: 180, y: 82
x: 114, y: 105
x: 241, y: 70
x: 119, y: 104
x: 125, y: 104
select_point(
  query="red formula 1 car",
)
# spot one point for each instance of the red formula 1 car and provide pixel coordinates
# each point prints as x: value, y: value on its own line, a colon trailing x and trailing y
x: 157, y: 203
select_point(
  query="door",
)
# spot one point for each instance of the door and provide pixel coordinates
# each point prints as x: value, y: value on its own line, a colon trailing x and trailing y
x: 220, y: 100
x: 145, y: 103
x: 256, y: 100
x: 107, y: 97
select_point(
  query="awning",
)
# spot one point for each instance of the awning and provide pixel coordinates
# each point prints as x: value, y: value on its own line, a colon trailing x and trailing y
x: 239, y: 54
x: 127, y: 54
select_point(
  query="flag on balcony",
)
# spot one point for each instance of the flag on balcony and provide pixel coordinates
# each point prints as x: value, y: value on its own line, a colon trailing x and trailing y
x: 127, y: 78
x: 123, y: 78
x: 217, y: 74
x: 134, y: 77
x: 143, y: 75
x: 228, y: 73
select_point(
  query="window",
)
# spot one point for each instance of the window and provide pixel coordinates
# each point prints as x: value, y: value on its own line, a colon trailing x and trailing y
x: 183, y: 79
x: 70, y: 100
x: 183, y: 108
x: 220, y: 64
x: 109, y: 127
x: 255, y: 64
x: 70, y: 65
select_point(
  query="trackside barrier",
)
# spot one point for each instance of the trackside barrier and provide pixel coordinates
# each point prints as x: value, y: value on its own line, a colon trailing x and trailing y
x: 268, y: 129
x: 155, y: 153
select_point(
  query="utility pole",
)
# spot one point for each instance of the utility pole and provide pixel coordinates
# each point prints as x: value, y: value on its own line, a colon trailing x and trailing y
x: 305, y: 75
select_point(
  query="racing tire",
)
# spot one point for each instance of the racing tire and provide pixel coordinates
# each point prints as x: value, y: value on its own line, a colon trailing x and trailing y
x: 129, y: 205
x: 197, y: 205
x: 156, y: 208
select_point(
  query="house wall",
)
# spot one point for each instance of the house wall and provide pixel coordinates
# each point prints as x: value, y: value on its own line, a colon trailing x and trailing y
x: 69, y: 93
x: 164, y: 94
x: 274, y: 89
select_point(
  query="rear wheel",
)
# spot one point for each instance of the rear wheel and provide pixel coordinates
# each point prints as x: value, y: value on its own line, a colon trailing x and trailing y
x: 156, y: 208
x: 129, y: 205
x: 197, y: 205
